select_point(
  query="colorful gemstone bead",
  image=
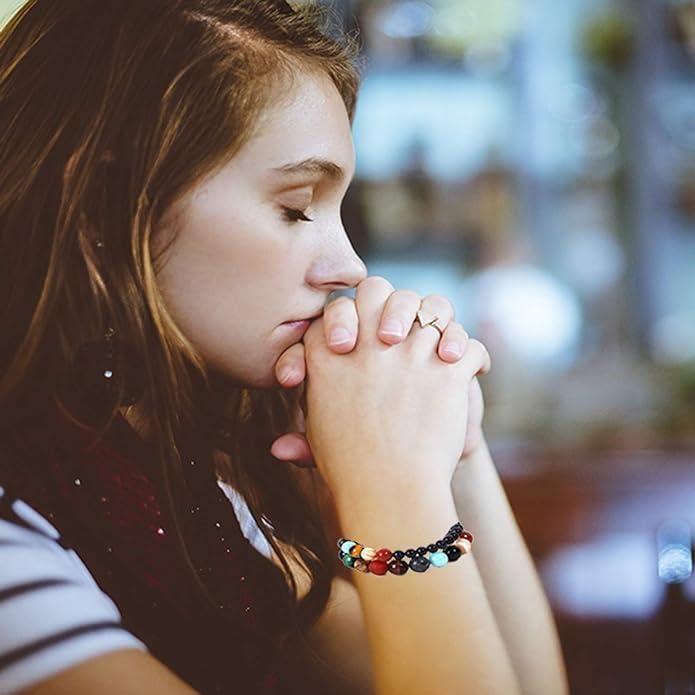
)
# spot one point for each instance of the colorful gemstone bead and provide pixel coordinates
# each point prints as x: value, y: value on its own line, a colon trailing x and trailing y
x: 452, y: 552
x: 378, y: 567
x: 419, y: 564
x: 467, y: 535
x: 439, y: 559
x: 360, y: 564
x: 463, y: 544
x: 368, y: 554
x: 345, y: 547
x: 356, y: 550
x: 397, y: 567
x: 348, y: 561
x: 384, y: 554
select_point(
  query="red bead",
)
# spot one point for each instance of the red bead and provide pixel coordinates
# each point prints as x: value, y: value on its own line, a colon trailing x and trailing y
x: 378, y: 567
x: 397, y: 567
x: 467, y: 535
x: 384, y: 554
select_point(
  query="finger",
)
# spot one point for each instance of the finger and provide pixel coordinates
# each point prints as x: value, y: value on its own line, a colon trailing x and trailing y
x: 290, y: 369
x: 433, y: 306
x: 398, y: 316
x: 370, y: 297
x: 453, y: 343
x: 476, y: 359
x: 293, y: 447
x: 340, y: 324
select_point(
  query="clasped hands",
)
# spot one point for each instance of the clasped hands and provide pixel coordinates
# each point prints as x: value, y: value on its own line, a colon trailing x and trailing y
x: 340, y: 328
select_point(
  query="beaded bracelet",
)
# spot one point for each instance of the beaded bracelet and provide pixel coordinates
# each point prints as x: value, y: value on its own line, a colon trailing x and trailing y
x: 457, y: 542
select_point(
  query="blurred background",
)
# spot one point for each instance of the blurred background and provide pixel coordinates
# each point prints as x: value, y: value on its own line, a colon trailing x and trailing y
x: 534, y: 160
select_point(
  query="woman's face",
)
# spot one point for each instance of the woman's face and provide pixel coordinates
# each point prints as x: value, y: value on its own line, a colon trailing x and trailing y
x: 244, y: 261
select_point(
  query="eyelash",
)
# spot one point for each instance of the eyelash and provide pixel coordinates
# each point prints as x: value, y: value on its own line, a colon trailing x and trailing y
x: 292, y: 215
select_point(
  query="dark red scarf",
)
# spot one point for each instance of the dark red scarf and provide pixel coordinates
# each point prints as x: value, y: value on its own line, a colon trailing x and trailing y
x: 105, y: 503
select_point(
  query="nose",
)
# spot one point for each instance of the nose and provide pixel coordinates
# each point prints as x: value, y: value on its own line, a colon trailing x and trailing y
x: 337, y: 267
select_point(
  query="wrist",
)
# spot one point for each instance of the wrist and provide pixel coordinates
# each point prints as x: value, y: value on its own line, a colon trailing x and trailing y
x: 390, y: 496
x: 399, y: 518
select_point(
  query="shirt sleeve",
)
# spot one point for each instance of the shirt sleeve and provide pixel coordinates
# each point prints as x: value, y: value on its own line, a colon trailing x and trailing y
x: 53, y: 616
x: 247, y: 523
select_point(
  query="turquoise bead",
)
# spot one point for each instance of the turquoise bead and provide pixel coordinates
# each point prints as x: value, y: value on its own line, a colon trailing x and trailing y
x: 345, y: 547
x: 439, y: 559
x: 348, y: 561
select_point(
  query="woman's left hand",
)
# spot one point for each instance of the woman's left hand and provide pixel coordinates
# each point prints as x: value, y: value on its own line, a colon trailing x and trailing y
x: 341, y: 326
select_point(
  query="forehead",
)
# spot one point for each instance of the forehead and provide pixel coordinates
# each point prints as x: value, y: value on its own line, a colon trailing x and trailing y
x: 307, y: 123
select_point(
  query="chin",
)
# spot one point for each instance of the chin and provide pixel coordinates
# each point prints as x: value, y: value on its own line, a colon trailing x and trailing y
x: 263, y: 379
x: 259, y: 374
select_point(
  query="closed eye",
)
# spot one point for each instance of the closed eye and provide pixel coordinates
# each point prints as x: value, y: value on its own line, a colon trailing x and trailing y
x: 292, y: 215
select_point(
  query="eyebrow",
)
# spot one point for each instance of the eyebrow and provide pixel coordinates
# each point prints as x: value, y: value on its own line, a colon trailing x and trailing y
x: 314, y: 166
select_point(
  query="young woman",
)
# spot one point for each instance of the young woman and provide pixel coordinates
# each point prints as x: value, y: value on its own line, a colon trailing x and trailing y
x: 171, y: 174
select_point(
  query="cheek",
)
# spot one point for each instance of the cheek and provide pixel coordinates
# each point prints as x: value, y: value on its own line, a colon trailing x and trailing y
x: 228, y: 291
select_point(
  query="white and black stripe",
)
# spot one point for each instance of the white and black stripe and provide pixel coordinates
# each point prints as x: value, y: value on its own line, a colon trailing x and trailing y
x: 52, y: 613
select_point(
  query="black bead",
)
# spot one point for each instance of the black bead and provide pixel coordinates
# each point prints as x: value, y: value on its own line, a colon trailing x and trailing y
x: 432, y: 547
x: 421, y: 551
x: 410, y: 552
x: 453, y: 553
x: 341, y: 541
x: 419, y: 564
x: 398, y: 554
x: 441, y: 544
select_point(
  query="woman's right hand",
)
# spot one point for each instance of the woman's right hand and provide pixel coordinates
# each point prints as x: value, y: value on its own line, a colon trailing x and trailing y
x: 386, y: 415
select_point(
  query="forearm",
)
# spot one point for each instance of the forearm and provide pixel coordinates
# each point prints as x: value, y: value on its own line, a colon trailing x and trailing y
x: 434, y: 627
x: 510, y: 578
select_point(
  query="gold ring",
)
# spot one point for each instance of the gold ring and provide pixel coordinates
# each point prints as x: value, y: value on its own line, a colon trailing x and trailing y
x: 432, y: 322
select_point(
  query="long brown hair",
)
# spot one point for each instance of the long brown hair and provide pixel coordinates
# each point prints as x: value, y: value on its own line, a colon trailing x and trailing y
x: 109, y: 112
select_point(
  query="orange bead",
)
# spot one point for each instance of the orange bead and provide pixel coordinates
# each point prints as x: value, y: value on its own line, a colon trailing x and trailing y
x: 356, y: 550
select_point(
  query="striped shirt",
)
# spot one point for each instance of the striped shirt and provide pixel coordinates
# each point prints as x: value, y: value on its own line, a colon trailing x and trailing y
x: 53, y: 615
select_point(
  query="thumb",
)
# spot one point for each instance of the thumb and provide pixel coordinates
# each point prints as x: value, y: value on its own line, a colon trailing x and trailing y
x: 293, y: 448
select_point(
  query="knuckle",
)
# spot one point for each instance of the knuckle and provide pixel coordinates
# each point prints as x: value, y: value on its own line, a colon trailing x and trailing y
x: 444, y: 303
x: 339, y: 307
x: 480, y: 349
x: 376, y: 282
x: 476, y: 345
x: 461, y: 331
x: 406, y: 296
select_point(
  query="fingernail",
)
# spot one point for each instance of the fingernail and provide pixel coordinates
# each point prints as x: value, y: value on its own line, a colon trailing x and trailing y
x: 392, y: 327
x: 287, y: 374
x: 452, y: 350
x: 339, y: 336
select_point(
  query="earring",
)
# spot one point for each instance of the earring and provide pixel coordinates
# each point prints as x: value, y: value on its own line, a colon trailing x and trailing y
x: 102, y: 377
